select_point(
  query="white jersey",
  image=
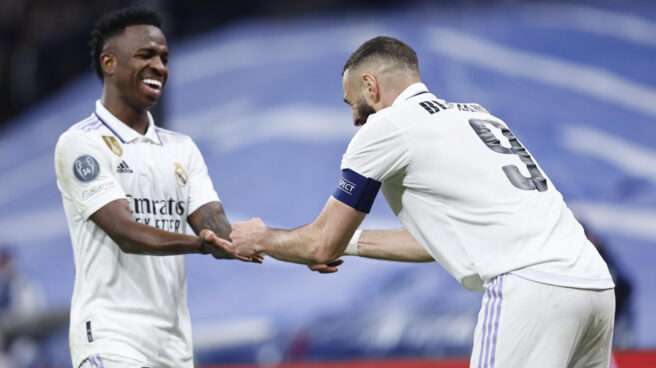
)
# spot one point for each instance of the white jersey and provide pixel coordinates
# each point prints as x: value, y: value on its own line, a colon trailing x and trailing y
x: 466, y: 189
x: 126, y: 304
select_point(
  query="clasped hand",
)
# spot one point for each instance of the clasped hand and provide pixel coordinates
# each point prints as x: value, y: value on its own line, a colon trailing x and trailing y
x: 222, y: 249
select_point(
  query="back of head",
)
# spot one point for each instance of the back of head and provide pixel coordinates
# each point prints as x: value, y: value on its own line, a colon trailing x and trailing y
x: 385, y: 49
x: 113, y: 24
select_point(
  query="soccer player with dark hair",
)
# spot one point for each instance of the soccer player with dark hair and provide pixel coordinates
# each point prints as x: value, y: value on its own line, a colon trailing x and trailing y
x: 129, y: 189
x: 471, y: 197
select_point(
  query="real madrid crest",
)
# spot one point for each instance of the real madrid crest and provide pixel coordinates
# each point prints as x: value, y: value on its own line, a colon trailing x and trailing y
x: 113, y: 145
x: 180, y: 175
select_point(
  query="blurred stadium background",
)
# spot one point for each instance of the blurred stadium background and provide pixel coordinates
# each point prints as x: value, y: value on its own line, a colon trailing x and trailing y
x: 257, y: 85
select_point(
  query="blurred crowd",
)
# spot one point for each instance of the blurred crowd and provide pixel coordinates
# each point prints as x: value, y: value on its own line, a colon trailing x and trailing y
x: 22, y: 308
x: 43, y: 43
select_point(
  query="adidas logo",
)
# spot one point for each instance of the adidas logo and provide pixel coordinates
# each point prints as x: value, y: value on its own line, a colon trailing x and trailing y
x: 123, y: 168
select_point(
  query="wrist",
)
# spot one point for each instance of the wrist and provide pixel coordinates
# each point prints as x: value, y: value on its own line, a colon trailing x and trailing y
x: 203, y: 248
x: 352, y: 247
x: 259, y: 246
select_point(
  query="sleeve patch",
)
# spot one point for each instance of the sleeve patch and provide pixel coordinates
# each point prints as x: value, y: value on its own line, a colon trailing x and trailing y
x: 356, y: 190
x: 93, y: 190
x: 86, y: 168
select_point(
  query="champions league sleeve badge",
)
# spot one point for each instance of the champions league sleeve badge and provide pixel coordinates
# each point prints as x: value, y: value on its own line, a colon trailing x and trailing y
x: 86, y: 168
x: 180, y: 175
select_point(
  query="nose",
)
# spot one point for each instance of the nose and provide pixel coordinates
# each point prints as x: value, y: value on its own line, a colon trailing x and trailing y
x: 159, y: 65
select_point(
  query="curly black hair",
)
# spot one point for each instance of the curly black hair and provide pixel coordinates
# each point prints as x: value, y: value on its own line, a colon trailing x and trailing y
x: 383, y: 47
x: 114, y: 23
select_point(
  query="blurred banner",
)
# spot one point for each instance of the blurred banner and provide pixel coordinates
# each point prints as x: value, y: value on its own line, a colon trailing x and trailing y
x: 633, y: 359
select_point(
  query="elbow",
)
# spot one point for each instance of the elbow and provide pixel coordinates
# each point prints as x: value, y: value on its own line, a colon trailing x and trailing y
x: 322, y: 252
x: 127, y: 247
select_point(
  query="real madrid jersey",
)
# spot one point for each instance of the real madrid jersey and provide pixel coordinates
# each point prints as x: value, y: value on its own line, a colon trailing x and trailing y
x: 469, y: 192
x: 127, y: 304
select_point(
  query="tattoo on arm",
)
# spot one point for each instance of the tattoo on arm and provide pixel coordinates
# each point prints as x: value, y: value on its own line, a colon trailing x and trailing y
x: 210, y: 216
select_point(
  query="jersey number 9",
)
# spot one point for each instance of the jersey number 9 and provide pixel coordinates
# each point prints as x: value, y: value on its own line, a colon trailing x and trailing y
x: 536, y: 181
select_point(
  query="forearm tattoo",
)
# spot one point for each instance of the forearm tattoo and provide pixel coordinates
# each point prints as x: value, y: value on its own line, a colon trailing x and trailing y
x: 211, y: 216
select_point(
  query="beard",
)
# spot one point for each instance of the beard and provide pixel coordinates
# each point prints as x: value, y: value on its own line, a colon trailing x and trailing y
x: 363, y: 112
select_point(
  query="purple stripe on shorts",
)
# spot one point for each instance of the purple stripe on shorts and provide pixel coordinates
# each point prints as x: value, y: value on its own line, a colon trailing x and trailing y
x: 102, y: 365
x: 495, y: 299
x: 487, y: 305
x: 496, y: 322
x: 92, y: 360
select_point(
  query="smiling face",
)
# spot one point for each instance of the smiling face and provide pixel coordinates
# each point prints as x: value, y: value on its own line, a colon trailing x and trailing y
x: 134, y: 65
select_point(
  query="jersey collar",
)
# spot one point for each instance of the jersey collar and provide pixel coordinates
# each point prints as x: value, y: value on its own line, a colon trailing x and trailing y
x: 121, y: 130
x: 412, y: 91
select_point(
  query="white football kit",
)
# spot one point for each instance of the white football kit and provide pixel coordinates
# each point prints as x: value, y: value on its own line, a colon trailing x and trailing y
x: 474, y: 198
x: 128, y: 305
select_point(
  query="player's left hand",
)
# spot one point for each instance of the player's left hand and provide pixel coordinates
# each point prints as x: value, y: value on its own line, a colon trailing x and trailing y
x: 247, y: 236
x: 330, y: 267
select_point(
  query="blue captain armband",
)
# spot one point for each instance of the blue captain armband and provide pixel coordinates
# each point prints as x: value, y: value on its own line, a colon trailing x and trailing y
x: 356, y: 191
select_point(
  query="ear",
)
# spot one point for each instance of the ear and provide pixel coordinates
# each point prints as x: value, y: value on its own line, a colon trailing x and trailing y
x: 371, y: 88
x: 108, y: 63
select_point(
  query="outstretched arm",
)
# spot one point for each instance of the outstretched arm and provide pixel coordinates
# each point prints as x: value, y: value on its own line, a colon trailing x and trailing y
x: 319, y: 242
x: 392, y: 245
x: 115, y: 218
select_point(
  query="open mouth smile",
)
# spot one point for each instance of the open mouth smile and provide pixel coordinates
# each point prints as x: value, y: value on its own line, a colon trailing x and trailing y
x: 153, y: 85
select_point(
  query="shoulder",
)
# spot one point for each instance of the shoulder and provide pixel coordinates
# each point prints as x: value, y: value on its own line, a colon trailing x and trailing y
x: 378, y: 126
x: 167, y: 135
x: 83, y: 131
x: 380, y: 133
x: 89, y: 124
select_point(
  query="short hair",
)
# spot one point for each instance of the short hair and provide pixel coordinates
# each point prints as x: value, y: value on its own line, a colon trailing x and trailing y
x: 114, y: 23
x: 385, y: 48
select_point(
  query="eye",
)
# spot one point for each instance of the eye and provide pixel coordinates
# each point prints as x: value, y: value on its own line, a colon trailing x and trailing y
x: 144, y: 54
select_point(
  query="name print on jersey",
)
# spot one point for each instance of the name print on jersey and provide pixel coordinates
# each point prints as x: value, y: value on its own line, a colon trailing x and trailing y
x: 436, y: 106
x: 433, y: 106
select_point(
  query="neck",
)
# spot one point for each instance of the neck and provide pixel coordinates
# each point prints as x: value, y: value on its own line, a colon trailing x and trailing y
x: 136, y: 119
x: 392, y: 88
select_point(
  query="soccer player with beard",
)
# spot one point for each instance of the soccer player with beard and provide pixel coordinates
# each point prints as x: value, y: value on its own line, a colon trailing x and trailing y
x: 470, y: 197
x: 129, y: 188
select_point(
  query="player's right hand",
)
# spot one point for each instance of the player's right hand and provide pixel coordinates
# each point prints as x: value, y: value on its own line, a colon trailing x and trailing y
x: 222, y: 249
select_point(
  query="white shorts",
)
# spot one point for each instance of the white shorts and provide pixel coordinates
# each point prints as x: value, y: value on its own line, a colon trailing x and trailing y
x: 523, y: 323
x: 113, y: 361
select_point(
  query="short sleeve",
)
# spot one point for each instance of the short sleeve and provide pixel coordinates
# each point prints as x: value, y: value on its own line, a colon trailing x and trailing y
x: 378, y: 151
x: 84, y: 174
x: 201, y: 190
